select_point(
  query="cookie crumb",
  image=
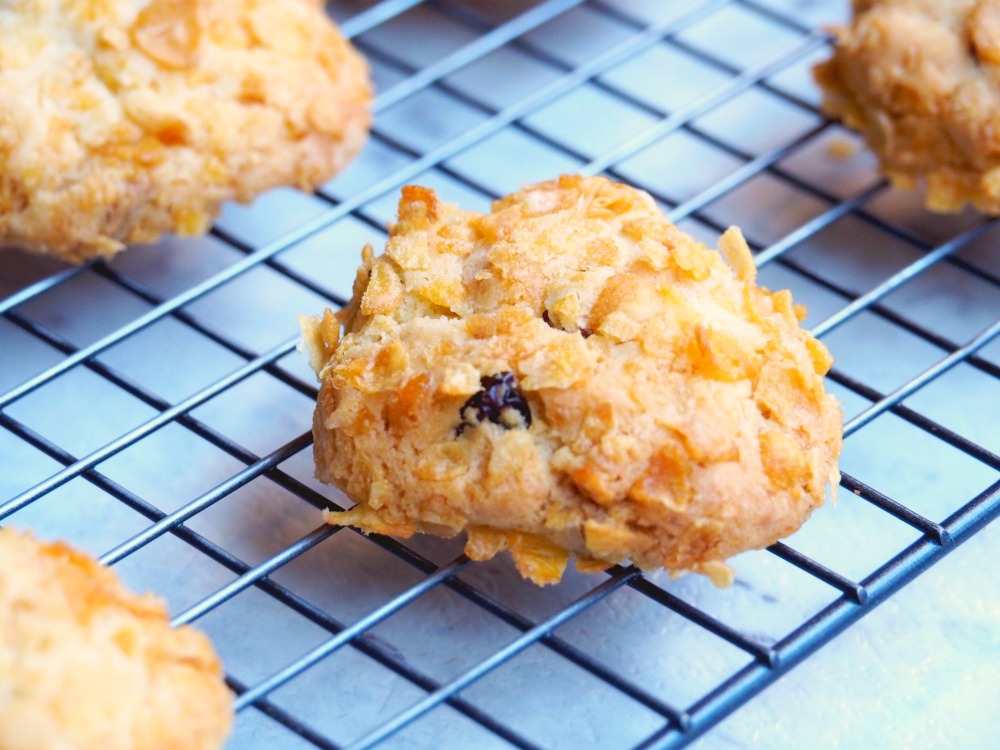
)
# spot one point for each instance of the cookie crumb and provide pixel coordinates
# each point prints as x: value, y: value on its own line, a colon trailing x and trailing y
x: 841, y: 148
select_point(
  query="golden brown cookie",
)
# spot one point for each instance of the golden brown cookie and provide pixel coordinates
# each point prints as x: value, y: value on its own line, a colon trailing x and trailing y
x: 571, y: 373
x: 920, y: 80
x: 87, y: 665
x: 121, y: 120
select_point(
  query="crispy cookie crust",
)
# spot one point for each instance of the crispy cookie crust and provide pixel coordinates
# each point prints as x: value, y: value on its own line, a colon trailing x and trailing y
x: 121, y: 120
x: 85, y: 664
x: 920, y: 80
x: 675, y: 412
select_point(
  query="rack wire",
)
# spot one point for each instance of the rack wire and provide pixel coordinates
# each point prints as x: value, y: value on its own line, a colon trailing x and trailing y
x: 153, y: 408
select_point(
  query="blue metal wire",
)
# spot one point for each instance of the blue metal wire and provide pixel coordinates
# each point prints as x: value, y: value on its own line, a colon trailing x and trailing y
x: 376, y: 16
x: 907, y: 389
x: 191, y: 509
x: 724, y: 92
x: 138, y: 433
x: 830, y: 622
x: 348, y: 634
x: 500, y: 656
x: 681, y: 726
x: 473, y: 51
x: 899, y: 278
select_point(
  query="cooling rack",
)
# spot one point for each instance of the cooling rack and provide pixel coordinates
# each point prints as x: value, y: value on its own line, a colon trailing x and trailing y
x: 154, y: 411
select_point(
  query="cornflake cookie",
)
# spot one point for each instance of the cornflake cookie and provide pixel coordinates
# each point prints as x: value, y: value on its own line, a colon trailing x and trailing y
x: 87, y: 665
x: 571, y: 373
x: 920, y: 80
x: 121, y: 120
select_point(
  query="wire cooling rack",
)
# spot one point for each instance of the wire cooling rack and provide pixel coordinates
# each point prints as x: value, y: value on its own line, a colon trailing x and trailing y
x: 154, y: 411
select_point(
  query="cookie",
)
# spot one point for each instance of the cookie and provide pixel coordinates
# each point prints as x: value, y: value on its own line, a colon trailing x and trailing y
x: 571, y: 373
x: 920, y: 81
x: 122, y: 120
x: 85, y: 664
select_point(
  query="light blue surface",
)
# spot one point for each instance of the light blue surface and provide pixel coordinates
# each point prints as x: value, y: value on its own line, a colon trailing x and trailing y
x: 922, y: 671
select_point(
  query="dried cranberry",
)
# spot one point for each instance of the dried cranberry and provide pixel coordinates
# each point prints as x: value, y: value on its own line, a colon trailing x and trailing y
x: 498, y: 395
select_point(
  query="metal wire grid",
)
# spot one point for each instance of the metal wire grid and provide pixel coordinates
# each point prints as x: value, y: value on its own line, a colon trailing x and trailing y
x: 484, y: 32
